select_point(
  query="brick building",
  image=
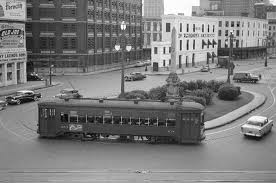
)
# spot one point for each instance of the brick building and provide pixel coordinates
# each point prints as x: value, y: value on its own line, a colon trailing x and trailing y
x: 80, y: 35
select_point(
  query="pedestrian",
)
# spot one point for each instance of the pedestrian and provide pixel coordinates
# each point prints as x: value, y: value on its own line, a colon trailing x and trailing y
x: 260, y: 76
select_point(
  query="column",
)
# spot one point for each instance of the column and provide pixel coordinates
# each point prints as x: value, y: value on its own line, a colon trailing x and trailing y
x: 5, y: 74
x: 14, y: 73
x: 24, y: 72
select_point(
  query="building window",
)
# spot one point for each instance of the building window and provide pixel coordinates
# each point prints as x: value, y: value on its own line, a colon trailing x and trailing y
x: 170, y: 62
x: 213, y: 28
x: 238, y: 23
x: 202, y: 27
x: 232, y: 23
x: 248, y: 24
x: 226, y: 32
x: 208, y: 28
x: 180, y: 27
x: 226, y: 24
x: 194, y: 44
x: 170, y: 49
x: 164, y: 63
x: 180, y: 45
x: 237, y: 32
x: 154, y: 26
x: 164, y: 50
x: 226, y: 43
x: 219, y: 33
x: 155, y: 50
x: 187, y: 27
x: 168, y: 27
x: 154, y: 36
x: 220, y: 23
x: 187, y: 45
x: 219, y: 43
x: 193, y: 27
x: 237, y: 43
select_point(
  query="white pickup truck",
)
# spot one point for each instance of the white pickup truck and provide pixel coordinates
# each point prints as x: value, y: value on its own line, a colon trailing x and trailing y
x: 257, y: 126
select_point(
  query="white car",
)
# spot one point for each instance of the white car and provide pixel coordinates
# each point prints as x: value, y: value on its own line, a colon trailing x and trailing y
x: 257, y: 126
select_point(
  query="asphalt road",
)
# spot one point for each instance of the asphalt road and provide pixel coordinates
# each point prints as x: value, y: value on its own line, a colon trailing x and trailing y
x: 224, y: 155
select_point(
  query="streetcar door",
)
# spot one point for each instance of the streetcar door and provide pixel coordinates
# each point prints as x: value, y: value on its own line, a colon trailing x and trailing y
x: 185, y: 127
x: 43, y: 129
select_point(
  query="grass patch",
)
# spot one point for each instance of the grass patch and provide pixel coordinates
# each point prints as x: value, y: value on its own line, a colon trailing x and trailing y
x: 220, y: 107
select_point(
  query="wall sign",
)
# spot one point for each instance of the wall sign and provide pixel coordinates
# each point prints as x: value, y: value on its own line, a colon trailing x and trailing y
x: 13, y: 57
x: 195, y: 35
x: 12, y: 35
x: 13, y: 9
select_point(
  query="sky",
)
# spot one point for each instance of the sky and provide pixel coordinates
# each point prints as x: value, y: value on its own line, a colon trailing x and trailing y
x: 184, y: 6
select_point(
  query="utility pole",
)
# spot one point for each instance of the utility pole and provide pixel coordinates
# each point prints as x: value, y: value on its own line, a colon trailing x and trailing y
x: 231, y: 37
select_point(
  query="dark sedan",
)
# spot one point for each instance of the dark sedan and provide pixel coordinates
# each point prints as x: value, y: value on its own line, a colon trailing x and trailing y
x: 134, y: 76
x: 23, y: 96
x: 34, y: 77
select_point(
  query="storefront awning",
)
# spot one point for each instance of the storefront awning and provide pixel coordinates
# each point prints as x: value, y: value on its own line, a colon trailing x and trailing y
x: 204, y: 43
x: 209, y: 55
x: 214, y: 55
x: 209, y: 42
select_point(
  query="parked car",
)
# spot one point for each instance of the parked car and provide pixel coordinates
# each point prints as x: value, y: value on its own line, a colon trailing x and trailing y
x: 245, y: 77
x: 68, y: 93
x: 139, y: 64
x: 23, y: 96
x: 205, y: 69
x: 147, y: 62
x: 3, y: 104
x: 134, y: 76
x: 34, y: 77
x: 257, y: 126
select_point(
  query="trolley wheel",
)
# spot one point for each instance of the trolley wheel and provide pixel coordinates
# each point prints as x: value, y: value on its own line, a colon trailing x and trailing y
x: 18, y: 101
x: 36, y: 98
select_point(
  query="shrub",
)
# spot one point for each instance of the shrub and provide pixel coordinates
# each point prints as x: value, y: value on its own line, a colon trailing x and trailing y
x: 142, y: 92
x: 205, y: 93
x: 228, y: 92
x: 215, y: 85
x: 201, y: 84
x: 158, y: 93
x: 183, y: 87
x: 196, y: 99
x: 134, y: 95
x: 192, y: 85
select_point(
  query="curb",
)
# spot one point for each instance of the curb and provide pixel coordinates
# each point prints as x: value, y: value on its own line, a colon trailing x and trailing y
x: 9, y: 92
x: 257, y: 102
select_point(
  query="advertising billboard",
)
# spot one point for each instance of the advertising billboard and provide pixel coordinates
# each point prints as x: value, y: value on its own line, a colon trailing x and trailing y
x: 13, y: 10
x: 12, y: 37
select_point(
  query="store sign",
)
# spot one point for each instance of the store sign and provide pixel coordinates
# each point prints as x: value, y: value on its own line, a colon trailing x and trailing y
x: 12, y: 35
x: 13, y: 9
x: 13, y: 57
x: 195, y: 35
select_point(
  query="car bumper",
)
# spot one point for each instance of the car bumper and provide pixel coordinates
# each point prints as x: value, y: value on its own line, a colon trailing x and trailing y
x: 252, y: 134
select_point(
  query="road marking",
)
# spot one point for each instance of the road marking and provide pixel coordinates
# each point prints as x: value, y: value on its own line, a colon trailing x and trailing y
x: 274, y: 100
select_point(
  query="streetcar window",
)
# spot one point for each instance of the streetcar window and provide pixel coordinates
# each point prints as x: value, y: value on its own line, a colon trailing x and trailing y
x: 171, y: 122
x: 135, y: 121
x: 82, y: 119
x: 108, y: 120
x: 116, y: 119
x: 90, y: 119
x: 125, y: 120
x: 195, y: 118
x: 186, y: 117
x: 161, y: 122
x: 143, y: 121
x: 44, y: 113
x: 153, y: 122
x: 202, y: 119
x: 63, y: 117
x: 98, y: 119
x: 147, y: 121
x: 73, y: 119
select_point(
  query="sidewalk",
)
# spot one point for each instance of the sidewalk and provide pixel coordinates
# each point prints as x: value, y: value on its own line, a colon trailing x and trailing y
x: 31, y: 85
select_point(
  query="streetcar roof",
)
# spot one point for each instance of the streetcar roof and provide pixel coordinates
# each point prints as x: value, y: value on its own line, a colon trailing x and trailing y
x: 121, y: 104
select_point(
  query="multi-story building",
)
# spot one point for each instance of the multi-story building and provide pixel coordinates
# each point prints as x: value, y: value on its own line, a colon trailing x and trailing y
x: 196, y: 41
x: 80, y: 35
x: 153, y: 8
x: 13, y: 55
x: 249, y: 35
x: 152, y: 24
x: 271, y: 17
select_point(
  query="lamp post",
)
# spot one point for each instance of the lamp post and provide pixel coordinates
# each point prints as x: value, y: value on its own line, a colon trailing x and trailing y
x: 267, y: 40
x: 231, y: 40
x: 126, y: 47
x: 51, y: 66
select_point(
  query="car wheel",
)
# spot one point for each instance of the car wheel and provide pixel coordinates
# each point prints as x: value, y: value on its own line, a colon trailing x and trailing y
x: 18, y: 102
x: 36, y: 98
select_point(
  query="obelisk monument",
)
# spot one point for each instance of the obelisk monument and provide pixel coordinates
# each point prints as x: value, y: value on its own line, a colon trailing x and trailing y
x: 173, y: 51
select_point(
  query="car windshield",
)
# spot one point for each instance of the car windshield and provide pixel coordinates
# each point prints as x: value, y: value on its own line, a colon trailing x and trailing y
x: 255, y: 123
x: 19, y: 93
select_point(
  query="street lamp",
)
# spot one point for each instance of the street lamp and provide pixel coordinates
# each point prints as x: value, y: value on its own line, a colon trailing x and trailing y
x: 51, y: 66
x: 126, y: 47
x: 267, y: 40
x: 231, y: 37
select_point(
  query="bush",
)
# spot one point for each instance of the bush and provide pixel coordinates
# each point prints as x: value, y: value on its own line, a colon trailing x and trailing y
x: 135, y: 94
x: 201, y: 84
x: 183, y: 87
x: 196, y: 99
x: 192, y: 85
x: 228, y: 92
x: 215, y: 85
x: 205, y: 93
x: 158, y: 93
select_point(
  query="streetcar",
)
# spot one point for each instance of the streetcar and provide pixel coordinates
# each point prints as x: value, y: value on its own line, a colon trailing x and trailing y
x: 180, y: 122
